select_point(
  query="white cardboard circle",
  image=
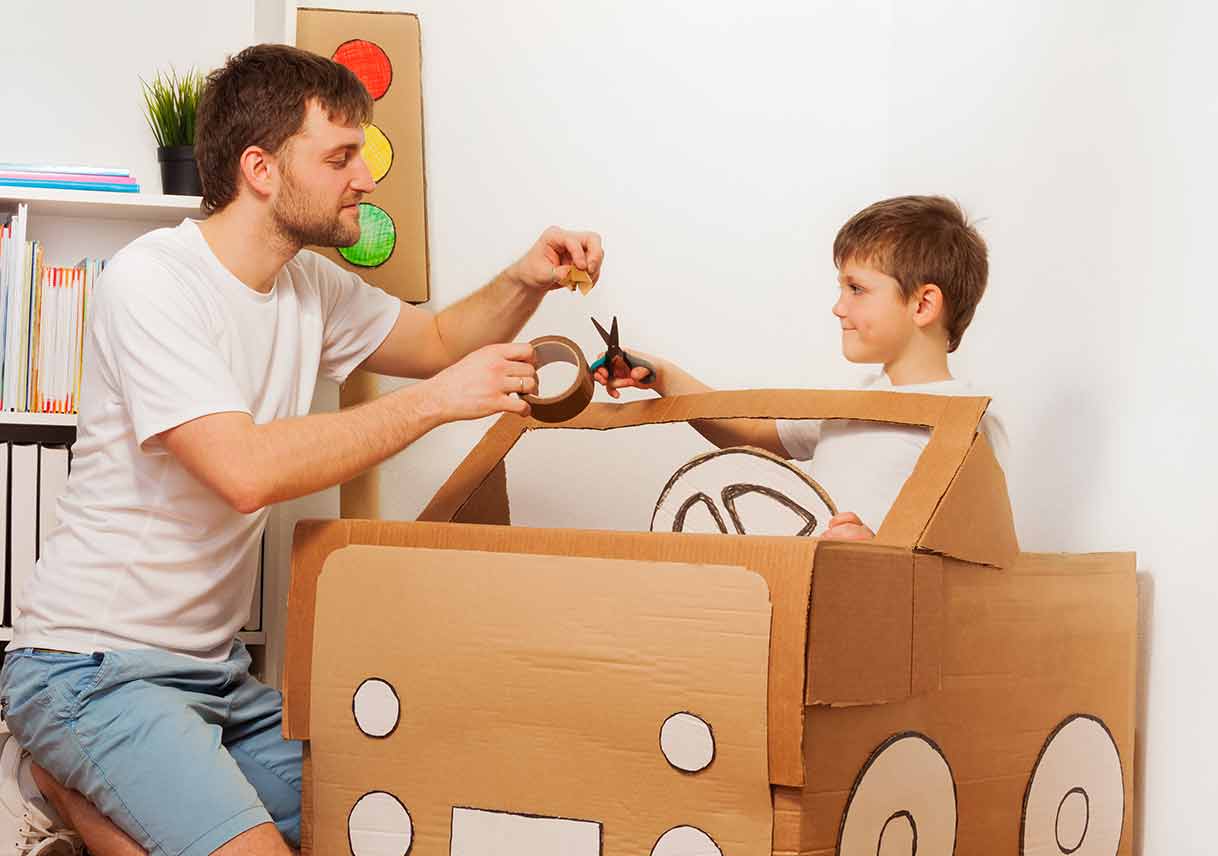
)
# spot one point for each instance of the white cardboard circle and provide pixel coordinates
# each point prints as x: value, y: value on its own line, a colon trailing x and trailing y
x: 903, y: 802
x: 687, y: 742
x: 685, y: 841
x: 379, y: 825
x: 742, y: 491
x: 1075, y: 801
x: 376, y: 708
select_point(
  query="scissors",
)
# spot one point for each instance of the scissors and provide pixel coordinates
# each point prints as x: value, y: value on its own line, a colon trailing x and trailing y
x: 614, y: 350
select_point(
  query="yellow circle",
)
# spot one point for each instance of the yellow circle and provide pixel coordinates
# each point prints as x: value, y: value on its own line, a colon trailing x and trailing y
x: 377, y: 152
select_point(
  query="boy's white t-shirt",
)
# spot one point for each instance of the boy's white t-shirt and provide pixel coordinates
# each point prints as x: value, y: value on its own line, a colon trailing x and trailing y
x: 862, y: 465
x: 145, y: 555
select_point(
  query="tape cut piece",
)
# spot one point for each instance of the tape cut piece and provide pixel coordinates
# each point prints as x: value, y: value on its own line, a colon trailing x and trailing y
x: 576, y: 278
x: 570, y: 402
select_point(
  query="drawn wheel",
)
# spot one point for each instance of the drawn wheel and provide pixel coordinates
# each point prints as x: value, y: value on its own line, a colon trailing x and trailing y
x: 742, y: 491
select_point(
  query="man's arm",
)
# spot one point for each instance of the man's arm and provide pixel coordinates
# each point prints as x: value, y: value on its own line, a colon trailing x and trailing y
x: 671, y: 379
x: 251, y: 466
x: 421, y: 344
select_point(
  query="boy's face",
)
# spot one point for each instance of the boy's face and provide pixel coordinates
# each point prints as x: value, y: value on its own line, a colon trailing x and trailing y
x: 324, y: 178
x: 877, y: 321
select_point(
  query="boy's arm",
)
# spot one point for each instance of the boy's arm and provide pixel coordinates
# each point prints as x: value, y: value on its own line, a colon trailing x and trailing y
x: 671, y: 379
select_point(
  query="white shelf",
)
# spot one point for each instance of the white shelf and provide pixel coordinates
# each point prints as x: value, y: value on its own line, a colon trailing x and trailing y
x: 68, y: 419
x: 102, y: 205
x: 254, y: 637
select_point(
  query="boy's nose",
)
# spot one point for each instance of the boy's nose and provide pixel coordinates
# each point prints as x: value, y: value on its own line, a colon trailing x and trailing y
x: 838, y: 309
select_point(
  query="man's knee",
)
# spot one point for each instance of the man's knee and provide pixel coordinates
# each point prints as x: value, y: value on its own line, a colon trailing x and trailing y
x: 261, y: 840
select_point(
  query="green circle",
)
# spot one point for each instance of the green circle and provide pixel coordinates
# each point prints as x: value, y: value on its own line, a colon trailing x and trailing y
x: 377, y: 237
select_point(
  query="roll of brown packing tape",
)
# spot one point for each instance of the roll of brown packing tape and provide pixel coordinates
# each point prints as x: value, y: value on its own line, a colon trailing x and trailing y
x: 570, y: 402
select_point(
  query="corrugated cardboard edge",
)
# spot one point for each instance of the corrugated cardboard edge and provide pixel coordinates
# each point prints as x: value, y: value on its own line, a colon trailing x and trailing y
x: 929, y: 615
x: 785, y: 563
x: 953, y: 421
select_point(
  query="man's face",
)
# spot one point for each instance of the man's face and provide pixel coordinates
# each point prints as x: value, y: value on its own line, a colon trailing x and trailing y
x: 323, y: 179
x: 877, y: 321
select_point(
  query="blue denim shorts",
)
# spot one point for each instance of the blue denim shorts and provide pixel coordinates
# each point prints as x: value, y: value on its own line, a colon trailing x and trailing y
x: 181, y: 754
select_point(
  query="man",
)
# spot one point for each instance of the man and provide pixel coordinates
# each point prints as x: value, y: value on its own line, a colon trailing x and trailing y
x: 144, y: 730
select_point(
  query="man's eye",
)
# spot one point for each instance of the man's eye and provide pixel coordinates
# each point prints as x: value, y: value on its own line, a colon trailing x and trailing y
x: 338, y: 164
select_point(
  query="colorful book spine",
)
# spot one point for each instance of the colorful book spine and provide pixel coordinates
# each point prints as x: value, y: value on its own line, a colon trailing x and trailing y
x: 43, y: 322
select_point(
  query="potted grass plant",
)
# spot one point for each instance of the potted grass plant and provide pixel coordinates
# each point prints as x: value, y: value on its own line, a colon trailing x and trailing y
x: 170, y: 101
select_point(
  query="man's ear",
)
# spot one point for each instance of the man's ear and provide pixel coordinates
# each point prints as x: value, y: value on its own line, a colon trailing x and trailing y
x: 927, y: 305
x: 259, y: 170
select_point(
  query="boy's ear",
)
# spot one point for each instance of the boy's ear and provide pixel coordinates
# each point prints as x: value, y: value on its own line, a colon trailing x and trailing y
x: 927, y: 302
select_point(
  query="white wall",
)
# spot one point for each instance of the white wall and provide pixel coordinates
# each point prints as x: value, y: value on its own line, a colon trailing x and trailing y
x: 1084, y: 132
x: 718, y: 150
x: 71, y: 83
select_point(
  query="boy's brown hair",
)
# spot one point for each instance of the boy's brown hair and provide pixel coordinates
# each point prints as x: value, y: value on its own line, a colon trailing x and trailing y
x: 919, y: 240
x: 259, y: 98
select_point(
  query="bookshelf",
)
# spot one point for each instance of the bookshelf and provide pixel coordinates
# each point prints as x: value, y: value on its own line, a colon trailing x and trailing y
x: 73, y: 223
x: 96, y: 205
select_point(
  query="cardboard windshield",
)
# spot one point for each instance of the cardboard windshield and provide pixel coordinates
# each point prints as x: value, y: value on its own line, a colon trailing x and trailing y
x: 954, y: 502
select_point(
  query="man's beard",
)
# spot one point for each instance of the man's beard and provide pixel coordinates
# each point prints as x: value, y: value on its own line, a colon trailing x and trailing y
x: 299, y: 224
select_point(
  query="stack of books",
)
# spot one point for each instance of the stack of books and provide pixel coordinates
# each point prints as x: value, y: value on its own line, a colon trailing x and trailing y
x: 43, y: 310
x: 67, y: 177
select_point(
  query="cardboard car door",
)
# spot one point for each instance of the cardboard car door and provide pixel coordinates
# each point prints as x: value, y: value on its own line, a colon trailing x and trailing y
x: 474, y: 703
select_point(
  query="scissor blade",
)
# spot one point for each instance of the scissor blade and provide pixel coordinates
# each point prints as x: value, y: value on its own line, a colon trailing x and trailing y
x: 601, y: 330
x: 613, y: 333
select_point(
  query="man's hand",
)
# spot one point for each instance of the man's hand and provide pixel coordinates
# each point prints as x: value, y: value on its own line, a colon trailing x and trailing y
x: 555, y: 253
x: 624, y: 376
x: 486, y: 382
x: 847, y: 527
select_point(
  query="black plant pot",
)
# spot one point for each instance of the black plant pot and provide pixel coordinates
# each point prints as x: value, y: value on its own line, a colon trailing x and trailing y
x: 179, y: 172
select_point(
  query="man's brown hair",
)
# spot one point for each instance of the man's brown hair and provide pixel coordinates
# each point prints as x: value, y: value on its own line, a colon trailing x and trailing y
x: 259, y: 98
x: 918, y: 240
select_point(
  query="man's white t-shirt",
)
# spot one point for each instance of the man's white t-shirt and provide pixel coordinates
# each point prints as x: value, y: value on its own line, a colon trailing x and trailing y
x: 862, y: 465
x: 145, y: 555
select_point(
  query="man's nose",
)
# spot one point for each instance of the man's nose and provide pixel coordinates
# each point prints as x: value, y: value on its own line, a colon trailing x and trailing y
x: 362, y: 181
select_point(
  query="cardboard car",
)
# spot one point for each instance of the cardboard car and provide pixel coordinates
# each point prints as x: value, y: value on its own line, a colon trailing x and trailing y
x: 469, y: 687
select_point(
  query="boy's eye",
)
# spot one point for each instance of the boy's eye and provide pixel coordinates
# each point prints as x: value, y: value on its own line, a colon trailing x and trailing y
x: 854, y: 289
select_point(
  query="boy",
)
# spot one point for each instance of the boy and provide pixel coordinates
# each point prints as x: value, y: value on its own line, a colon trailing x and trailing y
x: 911, y: 271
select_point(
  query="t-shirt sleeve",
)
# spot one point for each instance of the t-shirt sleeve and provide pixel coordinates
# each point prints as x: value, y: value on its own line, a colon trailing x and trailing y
x: 162, y: 351
x: 358, y: 317
x: 995, y: 432
x: 799, y: 437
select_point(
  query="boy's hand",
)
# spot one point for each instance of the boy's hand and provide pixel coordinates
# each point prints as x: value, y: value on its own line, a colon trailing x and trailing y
x: 624, y: 376
x: 847, y: 527
x: 554, y: 254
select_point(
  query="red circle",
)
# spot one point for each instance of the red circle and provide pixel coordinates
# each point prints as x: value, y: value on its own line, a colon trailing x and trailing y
x: 369, y: 63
